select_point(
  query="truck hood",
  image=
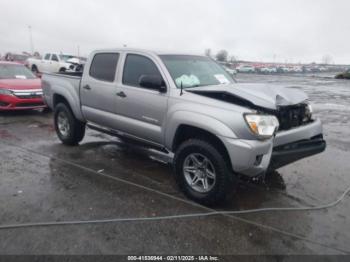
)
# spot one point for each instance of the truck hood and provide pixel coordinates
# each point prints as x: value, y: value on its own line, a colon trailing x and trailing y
x: 261, y: 95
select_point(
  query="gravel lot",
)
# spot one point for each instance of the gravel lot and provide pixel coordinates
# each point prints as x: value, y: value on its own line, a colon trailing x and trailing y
x: 42, y: 180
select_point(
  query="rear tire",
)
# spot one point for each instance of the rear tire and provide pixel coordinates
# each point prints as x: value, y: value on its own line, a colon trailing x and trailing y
x: 69, y: 129
x: 206, y: 162
x: 35, y: 69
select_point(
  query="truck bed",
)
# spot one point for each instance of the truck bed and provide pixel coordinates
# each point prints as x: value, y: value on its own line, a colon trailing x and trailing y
x: 65, y: 84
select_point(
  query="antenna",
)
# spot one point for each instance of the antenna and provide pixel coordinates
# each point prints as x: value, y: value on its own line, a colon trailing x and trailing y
x: 181, y: 88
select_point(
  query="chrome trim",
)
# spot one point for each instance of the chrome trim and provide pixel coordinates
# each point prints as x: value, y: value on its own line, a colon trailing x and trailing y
x: 26, y: 92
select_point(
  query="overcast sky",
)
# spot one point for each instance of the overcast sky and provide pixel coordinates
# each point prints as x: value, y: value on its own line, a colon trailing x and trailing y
x: 280, y: 30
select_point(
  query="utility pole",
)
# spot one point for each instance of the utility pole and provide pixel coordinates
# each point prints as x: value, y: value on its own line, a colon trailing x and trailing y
x: 78, y: 51
x: 31, y: 40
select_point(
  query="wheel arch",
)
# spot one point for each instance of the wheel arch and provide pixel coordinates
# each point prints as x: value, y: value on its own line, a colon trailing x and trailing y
x: 185, y: 132
x: 69, y: 101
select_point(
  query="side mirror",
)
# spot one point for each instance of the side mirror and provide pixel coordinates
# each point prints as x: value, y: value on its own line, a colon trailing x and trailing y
x: 152, y: 82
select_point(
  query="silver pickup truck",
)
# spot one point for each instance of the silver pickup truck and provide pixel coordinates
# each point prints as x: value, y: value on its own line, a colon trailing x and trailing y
x: 190, y: 106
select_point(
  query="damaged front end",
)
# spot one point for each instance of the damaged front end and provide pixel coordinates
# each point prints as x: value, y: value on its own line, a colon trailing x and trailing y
x: 288, y: 115
x: 298, y: 135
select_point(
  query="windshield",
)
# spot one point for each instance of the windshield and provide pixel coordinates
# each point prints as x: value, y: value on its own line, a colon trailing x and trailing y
x: 15, y: 72
x: 65, y: 57
x: 192, y: 71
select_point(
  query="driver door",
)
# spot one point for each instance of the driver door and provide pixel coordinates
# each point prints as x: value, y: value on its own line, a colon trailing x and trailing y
x: 141, y: 111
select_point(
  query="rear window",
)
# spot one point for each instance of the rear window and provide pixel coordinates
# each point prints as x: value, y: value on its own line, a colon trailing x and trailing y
x: 9, y: 71
x: 104, y: 66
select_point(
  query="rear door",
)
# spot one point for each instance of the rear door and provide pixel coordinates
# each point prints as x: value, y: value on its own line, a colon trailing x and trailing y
x: 98, y: 89
x: 54, y: 63
x: 44, y: 63
x: 140, y: 110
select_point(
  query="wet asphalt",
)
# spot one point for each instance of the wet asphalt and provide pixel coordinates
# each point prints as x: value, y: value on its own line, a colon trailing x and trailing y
x: 42, y: 180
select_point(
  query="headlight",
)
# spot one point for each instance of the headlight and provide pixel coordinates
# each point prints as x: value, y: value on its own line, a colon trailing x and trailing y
x: 5, y: 92
x: 309, y: 109
x: 263, y: 126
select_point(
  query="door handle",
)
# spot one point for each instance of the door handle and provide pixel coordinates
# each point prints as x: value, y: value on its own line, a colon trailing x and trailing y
x: 87, y: 87
x: 121, y: 94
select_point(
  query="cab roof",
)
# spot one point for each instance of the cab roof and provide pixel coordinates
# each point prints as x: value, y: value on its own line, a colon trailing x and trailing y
x: 140, y: 50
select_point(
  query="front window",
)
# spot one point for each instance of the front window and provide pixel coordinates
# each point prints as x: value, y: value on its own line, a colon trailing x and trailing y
x: 8, y: 71
x: 193, y: 71
x: 54, y: 58
x: 137, y: 66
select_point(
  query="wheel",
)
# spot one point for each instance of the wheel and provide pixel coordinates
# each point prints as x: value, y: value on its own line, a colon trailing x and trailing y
x: 69, y: 129
x: 35, y: 69
x: 202, y: 172
x: 62, y: 70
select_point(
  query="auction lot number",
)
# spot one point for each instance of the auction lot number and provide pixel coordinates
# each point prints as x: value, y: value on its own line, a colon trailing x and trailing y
x: 173, y: 258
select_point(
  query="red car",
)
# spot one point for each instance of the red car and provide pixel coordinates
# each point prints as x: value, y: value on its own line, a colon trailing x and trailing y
x: 20, y: 89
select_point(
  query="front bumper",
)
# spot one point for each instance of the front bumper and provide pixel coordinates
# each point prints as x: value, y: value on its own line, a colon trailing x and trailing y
x: 255, y: 157
x: 11, y: 103
x: 286, y: 154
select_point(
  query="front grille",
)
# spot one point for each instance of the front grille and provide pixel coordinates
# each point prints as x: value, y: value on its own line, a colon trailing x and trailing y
x: 28, y: 93
x: 3, y: 104
x: 293, y: 116
x: 29, y: 96
x: 29, y: 104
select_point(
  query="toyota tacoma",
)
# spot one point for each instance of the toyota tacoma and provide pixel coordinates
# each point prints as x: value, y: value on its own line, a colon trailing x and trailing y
x: 189, y: 106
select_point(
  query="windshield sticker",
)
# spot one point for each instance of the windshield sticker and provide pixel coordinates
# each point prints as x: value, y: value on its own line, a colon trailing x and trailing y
x: 187, y: 81
x: 222, y: 79
x: 20, y: 77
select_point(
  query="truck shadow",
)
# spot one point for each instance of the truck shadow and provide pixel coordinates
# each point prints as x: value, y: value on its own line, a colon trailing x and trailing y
x: 154, y: 170
x: 24, y: 113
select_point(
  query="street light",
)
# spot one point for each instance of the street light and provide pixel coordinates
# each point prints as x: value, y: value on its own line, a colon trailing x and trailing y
x: 31, y: 39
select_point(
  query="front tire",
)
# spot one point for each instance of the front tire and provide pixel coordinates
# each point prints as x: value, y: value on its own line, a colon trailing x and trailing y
x: 69, y: 129
x: 202, y: 172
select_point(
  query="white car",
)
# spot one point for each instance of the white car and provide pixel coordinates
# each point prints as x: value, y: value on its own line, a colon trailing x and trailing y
x: 286, y: 69
x: 297, y: 69
x: 246, y: 69
x: 52, y: 63
x: 268, y: 70
x: 231, y: 71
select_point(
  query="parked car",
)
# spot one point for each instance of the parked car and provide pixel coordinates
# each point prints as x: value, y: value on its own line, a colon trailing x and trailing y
x: 246, y: 69
x: 19, y: 88
x: 17, y: 58
x: 268, y: 70
x: 297, y: 69
x: 232, y: 72
x: 344, y: 75
x: 186, y: 105
x: 53, y: 63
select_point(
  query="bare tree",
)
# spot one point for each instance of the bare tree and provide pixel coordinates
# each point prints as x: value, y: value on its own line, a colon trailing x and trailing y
x: 222, y: 56
x: 207, y: 52
x: 232, y: 59
x: 327, y: 59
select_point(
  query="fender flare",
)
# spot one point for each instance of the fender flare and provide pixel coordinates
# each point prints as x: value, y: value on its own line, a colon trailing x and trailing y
x: 198, y: 120
x: 73, y: 101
